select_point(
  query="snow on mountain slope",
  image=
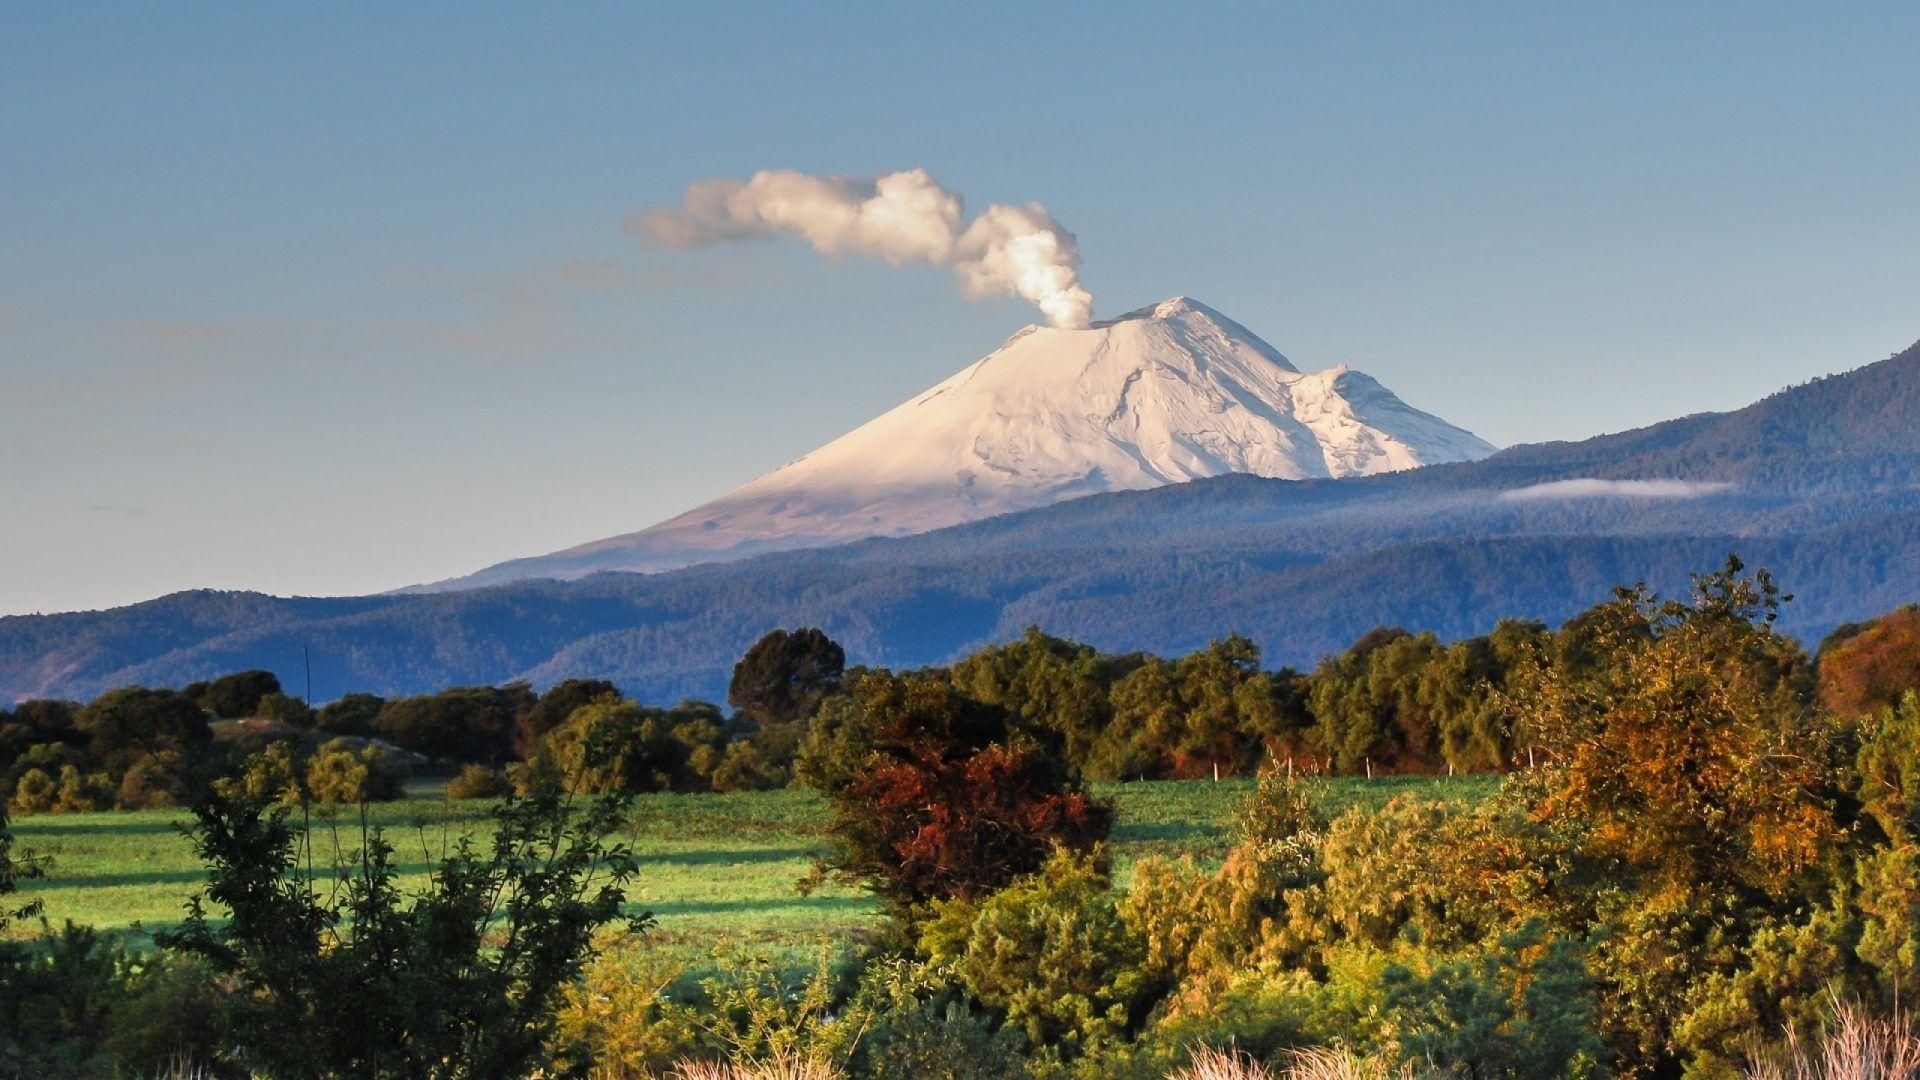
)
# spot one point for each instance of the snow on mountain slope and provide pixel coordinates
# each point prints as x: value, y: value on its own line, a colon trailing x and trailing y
x: 1165, y: 394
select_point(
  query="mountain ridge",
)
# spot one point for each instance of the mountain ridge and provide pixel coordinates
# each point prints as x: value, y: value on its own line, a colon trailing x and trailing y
x: 1826, y: 491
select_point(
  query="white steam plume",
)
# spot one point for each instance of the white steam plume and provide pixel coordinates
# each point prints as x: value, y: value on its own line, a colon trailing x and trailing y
x: 901, y: 217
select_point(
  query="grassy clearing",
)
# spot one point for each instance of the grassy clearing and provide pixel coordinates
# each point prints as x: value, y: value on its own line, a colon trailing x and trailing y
x: 716, y: 868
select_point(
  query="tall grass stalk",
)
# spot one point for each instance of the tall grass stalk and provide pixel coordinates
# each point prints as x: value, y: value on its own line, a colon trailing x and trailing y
x: 1854, y: 1046
x: 778, y: 1067
x: 1316, y: 1063
x: 1210, y: 1064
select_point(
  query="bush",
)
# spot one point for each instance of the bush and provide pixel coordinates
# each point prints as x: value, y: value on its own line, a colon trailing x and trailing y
x: 1050, y: 952
x: 1523, y: 1009
x: 338, y: 773
x: 919, y: 1026
x: 272, y: 775
x: 627, y: 1016
x: 479, y: 782
x: 155, y: 781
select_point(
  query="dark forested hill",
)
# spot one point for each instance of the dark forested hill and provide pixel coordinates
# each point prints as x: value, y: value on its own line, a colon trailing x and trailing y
x: 1820, y: 482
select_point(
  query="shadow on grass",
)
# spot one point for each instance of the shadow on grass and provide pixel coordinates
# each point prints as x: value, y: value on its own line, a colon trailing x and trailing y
x: 26, y: 829
x: 56, y: 881
x: 1141, y: 832
x: 725, y: 858
x: 820, y: 905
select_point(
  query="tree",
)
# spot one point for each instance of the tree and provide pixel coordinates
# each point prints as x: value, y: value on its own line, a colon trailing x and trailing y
x: 459, y: 980
x: 1694, y: 753
x: 1888, y: 766
x: 465, y: 723
x: 1699, y: 797
x: 239, y: 694
x: 284, y: 709
x: 351, y: 714
x: 784, y: 675
x: 123, y: 725
x: 953, y: 799
x: 14, y: 869
x: 616, y: 745
x: 39, y: 722
x: 556, y: 705
x: 1868, y: 667
x: 272, y: 775
x: 1049, y: 682
x: 1212, y: 710
x: 1367, y: 704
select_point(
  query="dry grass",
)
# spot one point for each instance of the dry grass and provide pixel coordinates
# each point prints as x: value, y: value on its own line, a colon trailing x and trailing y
x: 1338, y: 1063
x: 1318, y: 1063
x: 779, y: 1067
x: 1210, y: 1064
x: 1855, y: 1046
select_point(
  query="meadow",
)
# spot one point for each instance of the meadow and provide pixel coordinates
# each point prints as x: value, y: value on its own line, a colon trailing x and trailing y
x: 717, y: 869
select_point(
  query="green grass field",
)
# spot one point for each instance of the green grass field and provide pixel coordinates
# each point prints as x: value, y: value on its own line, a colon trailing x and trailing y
x: 715, y: 868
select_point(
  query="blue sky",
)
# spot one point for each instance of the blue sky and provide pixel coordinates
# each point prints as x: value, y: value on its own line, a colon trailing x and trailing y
x: 330, y: 298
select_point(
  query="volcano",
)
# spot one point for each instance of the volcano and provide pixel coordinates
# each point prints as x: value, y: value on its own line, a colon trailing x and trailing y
x: 1166, y: 394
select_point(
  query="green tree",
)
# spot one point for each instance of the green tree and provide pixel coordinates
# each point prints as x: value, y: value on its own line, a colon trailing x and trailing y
x: 782, y: 678
x: 1368, y: 707
x: 459, y: 980
x: 350, y: 714
x: 465, y: 723
x: 272, y: 775
x: 617, y: 745
x: 1212, y: 710
x: 125, y: 724
x: 1049, y: 682
x: 238, y: 695
x: 15, y: 867
x: 559, y: 703
x: 284, y: 709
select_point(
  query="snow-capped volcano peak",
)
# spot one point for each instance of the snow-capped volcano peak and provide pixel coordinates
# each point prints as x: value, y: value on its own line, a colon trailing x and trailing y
x: 1168, y: 393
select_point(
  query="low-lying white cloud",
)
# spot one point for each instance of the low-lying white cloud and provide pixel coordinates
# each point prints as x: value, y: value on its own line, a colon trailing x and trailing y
x: 1593, y: 488
x: 901, y: 217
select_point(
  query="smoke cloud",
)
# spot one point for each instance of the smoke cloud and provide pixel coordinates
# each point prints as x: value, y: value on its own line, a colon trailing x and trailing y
x: 902, y: 217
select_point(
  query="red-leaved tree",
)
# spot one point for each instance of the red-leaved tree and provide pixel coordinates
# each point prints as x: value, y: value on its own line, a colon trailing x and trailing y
x: 952, y: 798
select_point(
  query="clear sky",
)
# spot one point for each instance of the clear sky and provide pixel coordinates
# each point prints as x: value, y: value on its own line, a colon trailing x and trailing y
x: 335, y: 298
